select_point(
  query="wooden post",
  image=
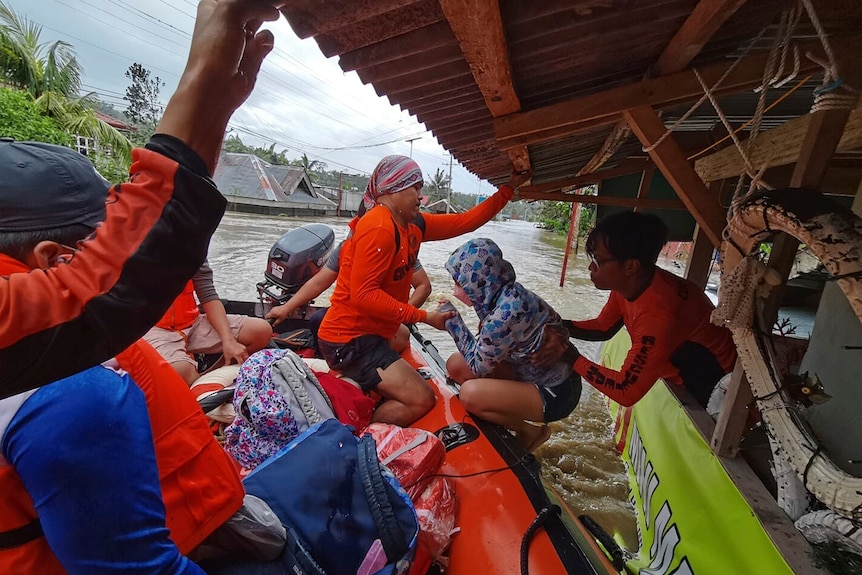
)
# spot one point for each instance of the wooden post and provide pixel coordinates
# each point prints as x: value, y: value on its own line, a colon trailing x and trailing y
x: 673, y: 164
x: 338, y: 209
x: 700, y: 259
x: 575, y: 209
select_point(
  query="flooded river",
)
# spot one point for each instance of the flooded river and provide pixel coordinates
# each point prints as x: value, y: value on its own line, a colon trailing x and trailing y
x: 579, y: 459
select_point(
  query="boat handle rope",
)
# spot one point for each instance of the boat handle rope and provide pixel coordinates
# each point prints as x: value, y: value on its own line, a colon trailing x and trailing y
x: 543, y: 516
x: 474, y: 474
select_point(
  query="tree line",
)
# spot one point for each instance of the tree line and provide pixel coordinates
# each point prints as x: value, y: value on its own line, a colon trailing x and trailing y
x: 41, y: 99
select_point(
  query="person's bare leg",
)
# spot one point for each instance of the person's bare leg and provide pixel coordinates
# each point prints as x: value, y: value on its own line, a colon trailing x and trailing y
x: 407, y: 395
x: 401, y: 339
x: 458, y: 369
x: 508, y: 403
x: 188, y: 371
x: 254, y: 334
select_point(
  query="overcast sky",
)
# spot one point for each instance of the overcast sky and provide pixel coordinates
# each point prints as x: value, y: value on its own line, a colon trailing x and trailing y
x: 303, y: 101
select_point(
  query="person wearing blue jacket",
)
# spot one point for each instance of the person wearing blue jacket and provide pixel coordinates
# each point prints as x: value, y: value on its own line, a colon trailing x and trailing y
x: 498, y: 381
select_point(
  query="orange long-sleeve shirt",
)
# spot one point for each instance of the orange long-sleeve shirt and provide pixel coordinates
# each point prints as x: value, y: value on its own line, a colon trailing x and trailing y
x: 670, y: 312
x: 376, y: 270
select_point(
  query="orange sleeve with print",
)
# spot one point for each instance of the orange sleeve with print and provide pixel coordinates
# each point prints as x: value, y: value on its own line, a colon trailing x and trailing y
x: 445, y: 226
x: 653, y: 343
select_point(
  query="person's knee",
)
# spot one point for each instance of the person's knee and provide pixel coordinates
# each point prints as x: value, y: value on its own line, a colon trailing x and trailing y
x: 469, y: 396
x: 255, y: 334
x: 401, y: 339
x: 421, y: 401
x: 458, y: 369
x: 187, y: 371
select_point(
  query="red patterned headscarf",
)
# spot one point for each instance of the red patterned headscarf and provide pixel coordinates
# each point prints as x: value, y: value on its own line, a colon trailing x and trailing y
x: 392, y: 175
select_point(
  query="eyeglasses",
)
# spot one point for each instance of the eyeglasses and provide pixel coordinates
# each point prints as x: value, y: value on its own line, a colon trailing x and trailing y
x: 597, y: 262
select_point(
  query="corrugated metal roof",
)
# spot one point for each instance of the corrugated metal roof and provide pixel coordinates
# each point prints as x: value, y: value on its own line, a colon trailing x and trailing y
x: 557, y: 49
x: 248, y: 176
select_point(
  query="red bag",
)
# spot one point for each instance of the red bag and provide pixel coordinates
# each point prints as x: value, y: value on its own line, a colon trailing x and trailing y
x: 351, y: 406
x: 411, y: 454
x: 414, y: 456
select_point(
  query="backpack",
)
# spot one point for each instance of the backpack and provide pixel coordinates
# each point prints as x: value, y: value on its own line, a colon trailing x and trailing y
x: 344, y: 512
x: 277, y: 397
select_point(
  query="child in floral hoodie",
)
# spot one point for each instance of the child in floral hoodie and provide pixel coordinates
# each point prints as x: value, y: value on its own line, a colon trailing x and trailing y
x: 498, y: 382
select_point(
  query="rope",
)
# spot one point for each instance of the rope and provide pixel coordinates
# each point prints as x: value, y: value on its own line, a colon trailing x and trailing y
x: 540, y: 520
x: 691, y: 110
x: 748, y: 123
x: 826, y: 97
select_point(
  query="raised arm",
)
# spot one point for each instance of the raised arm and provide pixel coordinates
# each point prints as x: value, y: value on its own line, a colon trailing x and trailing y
x: 157, y: 226
x: 444, y: 226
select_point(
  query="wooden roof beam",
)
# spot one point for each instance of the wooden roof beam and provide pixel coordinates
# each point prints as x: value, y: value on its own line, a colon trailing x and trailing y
x: 703, y: 22
x: 478, y: 26
x: 776, y: 147
x: 670, y: 159
x: 627, y: 168
x: 600, y: 109
x: 701, y: 25
x: 639, y: 203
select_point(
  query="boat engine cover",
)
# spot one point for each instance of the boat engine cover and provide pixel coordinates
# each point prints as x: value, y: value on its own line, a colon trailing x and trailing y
x: 298, y: 255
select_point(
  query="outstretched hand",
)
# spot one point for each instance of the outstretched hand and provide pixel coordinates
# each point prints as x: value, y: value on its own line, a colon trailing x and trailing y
x: 278, y: 314
x: 225, y: 56
x: 518, y: 178
x: 554, y: 343
x: 438, y: 319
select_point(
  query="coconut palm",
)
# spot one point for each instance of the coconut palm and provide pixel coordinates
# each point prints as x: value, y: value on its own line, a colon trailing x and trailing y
x: 51, y: 75
x: 437, y: 187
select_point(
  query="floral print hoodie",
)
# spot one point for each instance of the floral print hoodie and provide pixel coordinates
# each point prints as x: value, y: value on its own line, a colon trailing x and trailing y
x: 512, y: 319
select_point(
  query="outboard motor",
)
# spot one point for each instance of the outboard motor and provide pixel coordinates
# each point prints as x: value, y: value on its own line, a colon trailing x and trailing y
x: 293, y: 260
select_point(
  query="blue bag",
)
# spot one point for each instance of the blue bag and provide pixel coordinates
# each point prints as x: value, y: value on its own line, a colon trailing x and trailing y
x: 345, y: 513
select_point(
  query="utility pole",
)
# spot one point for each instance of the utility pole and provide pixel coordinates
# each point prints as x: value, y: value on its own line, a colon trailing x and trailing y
x: 338, y: 211
x: 449, y: 186
x: 411, y: 140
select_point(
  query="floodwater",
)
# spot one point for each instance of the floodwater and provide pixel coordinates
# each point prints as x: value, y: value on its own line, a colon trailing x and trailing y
x: 579, y: 460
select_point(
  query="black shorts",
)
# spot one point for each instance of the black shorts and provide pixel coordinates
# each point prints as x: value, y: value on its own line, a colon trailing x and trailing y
x: 559, y: 401
x: 359, y: 358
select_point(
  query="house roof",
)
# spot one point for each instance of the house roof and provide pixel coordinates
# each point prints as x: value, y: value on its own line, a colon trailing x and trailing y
x: 543, y: 84
x: 248, y: 176
x: 114, y: 123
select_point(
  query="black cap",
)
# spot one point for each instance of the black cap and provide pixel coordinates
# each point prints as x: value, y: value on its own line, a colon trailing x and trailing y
x: 43, y: 187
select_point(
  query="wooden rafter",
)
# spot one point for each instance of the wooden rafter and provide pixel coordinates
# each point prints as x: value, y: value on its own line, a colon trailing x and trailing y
x: 641, y: 204
x: 580, y: 114
x: 703, y: 22
x: 630, y: 167
x: 776, y: 147
x: 705, y: 208
x: 478, y: 26
x: 603, y: 108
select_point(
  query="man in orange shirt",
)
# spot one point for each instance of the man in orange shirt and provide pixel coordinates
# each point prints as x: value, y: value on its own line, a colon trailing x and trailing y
x: 666, y: 316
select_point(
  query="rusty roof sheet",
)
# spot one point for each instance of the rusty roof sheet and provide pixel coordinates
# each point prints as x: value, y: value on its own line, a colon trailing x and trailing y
x: 558, y: 50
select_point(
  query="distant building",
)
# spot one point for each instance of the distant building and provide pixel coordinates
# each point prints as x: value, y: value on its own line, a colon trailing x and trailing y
x: 253, y: 185
x: 87, y: 145
x: 442, y: 207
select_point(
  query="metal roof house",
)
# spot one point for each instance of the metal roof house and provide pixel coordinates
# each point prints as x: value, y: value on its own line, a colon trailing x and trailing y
x: 253, y: 185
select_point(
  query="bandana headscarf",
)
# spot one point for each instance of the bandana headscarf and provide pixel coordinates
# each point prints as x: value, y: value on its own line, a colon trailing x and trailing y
x: 392, y: 175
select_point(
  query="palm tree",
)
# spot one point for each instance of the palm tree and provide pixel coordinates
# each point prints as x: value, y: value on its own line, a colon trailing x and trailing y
x: 51, y: 75
x: 438, y: 187
x: 311, y: 165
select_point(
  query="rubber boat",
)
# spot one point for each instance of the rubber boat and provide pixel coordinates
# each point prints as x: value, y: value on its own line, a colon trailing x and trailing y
x: 510, y: 520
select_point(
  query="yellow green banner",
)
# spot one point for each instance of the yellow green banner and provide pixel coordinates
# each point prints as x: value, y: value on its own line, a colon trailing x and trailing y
x: 691, y: 517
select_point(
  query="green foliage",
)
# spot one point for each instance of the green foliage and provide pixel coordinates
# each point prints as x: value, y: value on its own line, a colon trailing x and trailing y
x: 114, y: 169
x: 555, y: 216
x: 437, y: 187
x: 142, y: 95
x: 21, y: 119
x: 51, y: 74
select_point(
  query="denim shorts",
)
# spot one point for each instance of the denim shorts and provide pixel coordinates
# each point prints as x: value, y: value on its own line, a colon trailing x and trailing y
x: 360, y: 358
x: 559, y: 401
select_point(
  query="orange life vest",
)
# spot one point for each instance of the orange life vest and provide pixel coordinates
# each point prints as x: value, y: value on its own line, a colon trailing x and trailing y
x: 200, y: 484
x: 183, y: 312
